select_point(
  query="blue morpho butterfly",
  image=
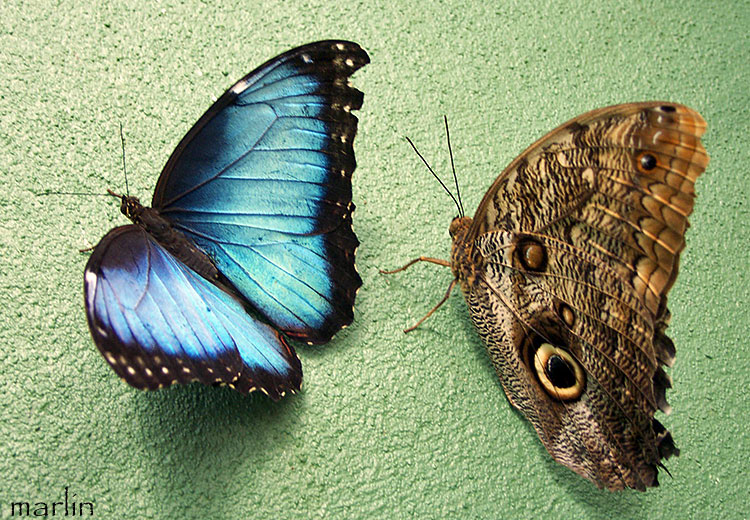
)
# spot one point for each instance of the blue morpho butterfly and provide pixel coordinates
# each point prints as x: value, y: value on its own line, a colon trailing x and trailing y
x: 253, y: 208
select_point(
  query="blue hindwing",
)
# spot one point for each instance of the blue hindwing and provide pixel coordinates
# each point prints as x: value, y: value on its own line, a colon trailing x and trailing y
x: 157, y: 322
x: 262, y: 184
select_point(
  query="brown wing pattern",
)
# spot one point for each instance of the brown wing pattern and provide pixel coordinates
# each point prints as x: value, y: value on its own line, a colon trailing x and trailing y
x: 575, y: 246
x: 630, y: 170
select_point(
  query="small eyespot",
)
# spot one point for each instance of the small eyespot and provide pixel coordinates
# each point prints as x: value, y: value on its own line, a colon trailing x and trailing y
x: 561, y: 376
x: 532, y: 255
x: 646, y: 162
x: 566, y: 314
x: 667, y: 108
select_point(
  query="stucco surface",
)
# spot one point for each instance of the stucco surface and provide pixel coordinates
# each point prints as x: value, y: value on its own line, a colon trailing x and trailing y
x: 388, y: 425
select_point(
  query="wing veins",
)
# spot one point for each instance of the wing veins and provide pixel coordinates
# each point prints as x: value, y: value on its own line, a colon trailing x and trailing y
x: 264, y: 290
x: 528, y: 326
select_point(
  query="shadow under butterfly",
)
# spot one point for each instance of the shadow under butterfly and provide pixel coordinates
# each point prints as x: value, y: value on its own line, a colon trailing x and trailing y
x: 253, y: 208
x: 566, y: 267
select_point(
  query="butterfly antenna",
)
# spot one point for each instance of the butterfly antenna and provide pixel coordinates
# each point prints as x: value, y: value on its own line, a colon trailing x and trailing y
x: 434, y: 174
x: 81, y: 193
x: 453, y: 167
x: 124, y: 170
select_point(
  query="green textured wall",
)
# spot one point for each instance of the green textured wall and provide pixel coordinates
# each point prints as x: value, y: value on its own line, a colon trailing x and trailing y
x: 388, y: 425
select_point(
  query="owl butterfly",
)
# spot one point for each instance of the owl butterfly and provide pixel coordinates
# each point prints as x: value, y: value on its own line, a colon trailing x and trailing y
x: 566, y: 268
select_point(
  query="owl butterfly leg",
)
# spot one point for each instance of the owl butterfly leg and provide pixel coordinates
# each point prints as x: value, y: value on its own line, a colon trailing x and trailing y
x: 431, y: 260
x: 441, y: 302
x: 436, y: 307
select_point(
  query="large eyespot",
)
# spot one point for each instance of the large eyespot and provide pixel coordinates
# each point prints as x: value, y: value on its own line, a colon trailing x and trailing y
x: 560, y: 375
x: 532, y: 255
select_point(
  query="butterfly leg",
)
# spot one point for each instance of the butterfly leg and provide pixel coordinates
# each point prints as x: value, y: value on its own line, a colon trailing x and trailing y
x: 436, y: 307
x: 431, y: 260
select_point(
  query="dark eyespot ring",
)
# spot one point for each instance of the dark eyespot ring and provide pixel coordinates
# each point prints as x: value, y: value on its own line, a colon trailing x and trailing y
x: 561, y: 376
x: 667, y: 108
x: 532, y: 255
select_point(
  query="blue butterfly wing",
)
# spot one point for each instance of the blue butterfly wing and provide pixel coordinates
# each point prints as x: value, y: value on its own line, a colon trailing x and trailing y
x: 262, y: 184
x: 157, y: 322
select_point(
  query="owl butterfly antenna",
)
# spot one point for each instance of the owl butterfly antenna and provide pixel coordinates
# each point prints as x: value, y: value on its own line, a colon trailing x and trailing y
x: 453, y: 167
x: 460, y: 208
x: 434, y: 174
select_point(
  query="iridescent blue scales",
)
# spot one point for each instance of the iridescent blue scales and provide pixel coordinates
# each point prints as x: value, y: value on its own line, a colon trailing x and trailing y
x: 157, y: 321
x: 253, y: 209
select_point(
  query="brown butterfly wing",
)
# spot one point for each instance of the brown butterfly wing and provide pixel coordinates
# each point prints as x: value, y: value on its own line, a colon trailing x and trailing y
x: 574, y: 248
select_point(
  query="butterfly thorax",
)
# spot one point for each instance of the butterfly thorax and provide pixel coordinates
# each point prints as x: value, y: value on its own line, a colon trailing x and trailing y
x: 174, y: 241
x: 463, y: 262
